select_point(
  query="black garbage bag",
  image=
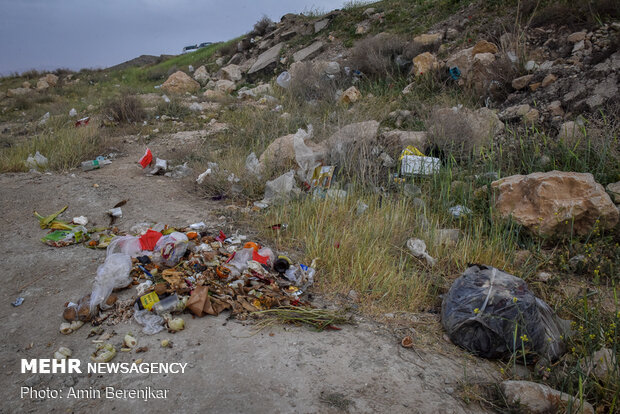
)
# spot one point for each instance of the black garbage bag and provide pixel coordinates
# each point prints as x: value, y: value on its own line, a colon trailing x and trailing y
x: 492, y: 313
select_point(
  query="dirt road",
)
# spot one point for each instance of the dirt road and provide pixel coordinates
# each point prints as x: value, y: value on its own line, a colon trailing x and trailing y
x: 231, y: 368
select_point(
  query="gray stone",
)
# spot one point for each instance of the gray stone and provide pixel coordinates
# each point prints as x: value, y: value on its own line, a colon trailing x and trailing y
x: 231, y: 73
x: 320, y: 25
x: 266, y: 58
x: 538, y: 398
x: 614, y: 190
x: 522, y: 82
x: 308, y: 52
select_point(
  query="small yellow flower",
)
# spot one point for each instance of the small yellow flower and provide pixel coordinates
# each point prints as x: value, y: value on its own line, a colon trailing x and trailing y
x: 592, y: 336
x: 476, y: 311
x: 524, y: 338
x: 572, y: 350
x: 595, y: 272
x: 514, y: 299
x: 502, y: 370
x: 548, y: 369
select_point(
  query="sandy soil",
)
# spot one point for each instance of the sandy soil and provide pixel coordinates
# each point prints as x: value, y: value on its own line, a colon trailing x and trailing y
x: 231, y: 368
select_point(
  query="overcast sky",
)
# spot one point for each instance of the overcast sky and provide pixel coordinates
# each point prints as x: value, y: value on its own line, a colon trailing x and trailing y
x: 75, y: 34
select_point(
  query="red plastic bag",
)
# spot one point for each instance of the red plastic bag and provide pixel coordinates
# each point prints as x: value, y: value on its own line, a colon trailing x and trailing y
x: 146, y: 159
x: 149, y: 239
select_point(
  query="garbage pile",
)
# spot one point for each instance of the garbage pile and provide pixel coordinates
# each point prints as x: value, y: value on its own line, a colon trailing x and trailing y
x: 493, y: 314
x: 176, y: 271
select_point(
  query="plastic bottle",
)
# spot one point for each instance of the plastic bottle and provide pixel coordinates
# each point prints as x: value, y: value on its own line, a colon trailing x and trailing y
x: 168, y: 304
x: 94, y: 164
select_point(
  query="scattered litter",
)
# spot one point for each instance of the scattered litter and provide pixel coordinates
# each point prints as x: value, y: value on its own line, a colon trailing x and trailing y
x: 161, y: 166
x: 252, y: 165
x: 38, y: 161
x: 414, y: 162
x: 81, y: 220
x: 72, y: 112
x: 284, y: 80
x: 129, y: 341
x: 112, y: 274
x: 82, y: 122
x: 281, y: 189
x: 115, y: 212
x: 44, y: 119
x: 180, y: 171
x: 63, y: 353
x: 455, y: 73
x: 146, y: 159
x: 67, y: 328
x: 407, y: 342
x: 165, y: 98
x: 492, y: 314
x: 459, y: 211
x: 417, y: 247
x: 18, y: 301
x: 104, y: 353
x: 200, y: 226
x: 201, y: 177
x: 322, y: 177
x: 196, y: 107
x: 94, y: 164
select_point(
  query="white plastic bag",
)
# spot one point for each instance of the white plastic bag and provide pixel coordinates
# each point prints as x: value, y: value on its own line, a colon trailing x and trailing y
x: 152, y: 322
x: 112, y: 274
x: 129, y: 245
x: 284, y: 80
x: 169, y: 249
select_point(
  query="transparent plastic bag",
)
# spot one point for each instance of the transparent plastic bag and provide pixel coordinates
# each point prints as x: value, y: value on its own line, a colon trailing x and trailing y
x: 284, y: 80
x: 129, y: 245
x: 492, y: 314
x: 112, y: 274
x: 170, y: 249
x: 151, y: 322
x: 239, y: 263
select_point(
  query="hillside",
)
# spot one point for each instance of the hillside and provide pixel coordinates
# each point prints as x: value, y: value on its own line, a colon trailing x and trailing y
x: 516, y: 104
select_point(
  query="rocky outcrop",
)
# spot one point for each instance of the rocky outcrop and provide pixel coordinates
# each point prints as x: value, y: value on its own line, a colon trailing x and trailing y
x: 308, y: 52
x: 231, y: 73
x: 267, y: 58
x: 179, y: 83
x: 201, y: 75
x: 424, y: 63
x: 556, y: 203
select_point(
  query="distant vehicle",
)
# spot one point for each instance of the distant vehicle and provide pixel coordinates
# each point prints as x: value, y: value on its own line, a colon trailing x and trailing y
x: 204, y: 44
x: 191, y: 48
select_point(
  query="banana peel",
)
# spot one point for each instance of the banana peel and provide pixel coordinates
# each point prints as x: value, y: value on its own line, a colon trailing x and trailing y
x: 60, y: 225
x: 45, y: 222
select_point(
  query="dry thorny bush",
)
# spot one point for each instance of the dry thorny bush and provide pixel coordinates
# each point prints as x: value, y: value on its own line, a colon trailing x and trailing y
x: 125, y: 109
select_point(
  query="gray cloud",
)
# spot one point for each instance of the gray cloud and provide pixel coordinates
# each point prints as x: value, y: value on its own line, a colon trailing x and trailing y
x: 74, y: 34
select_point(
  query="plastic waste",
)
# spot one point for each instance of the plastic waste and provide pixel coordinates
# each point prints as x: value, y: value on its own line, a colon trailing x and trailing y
x: 168, y: 304
x: 94, y: 164
x: 417, y: 248
x: 169, y: 249
x: 37, y: 161
x: 284, y: 80
x: 281, y: 189
x: 252, y: 165
x: 268, y: 253
x: 151, y: 322
x: 200, y: 226
x: 129, y: 245
x: 81, y: 220
x: 282, y: 264
x: 18, y: 301
x: 459, y: 211
x: 44, y: 119
x: 143, y: 287
x: 239, y: 262
x: 115, y: 212
x: 82, y: 121
x: 161, y: 166
x: 112, y: 274
x: 492, y: 314
x: 165, y: 98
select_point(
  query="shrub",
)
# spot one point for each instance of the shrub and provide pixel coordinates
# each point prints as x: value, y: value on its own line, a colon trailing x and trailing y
x: 261, y: 26
x: 124, y: 109
x: 375, y: 56
x: 173, y: 109
x: 308, y: 83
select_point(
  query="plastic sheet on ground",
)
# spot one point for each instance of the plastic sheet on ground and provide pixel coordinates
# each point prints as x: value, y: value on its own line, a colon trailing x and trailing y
x: 492, y: 314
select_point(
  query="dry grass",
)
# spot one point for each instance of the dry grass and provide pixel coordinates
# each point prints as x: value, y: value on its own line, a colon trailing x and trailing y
x: 124, y: 109
x: 374, y: 56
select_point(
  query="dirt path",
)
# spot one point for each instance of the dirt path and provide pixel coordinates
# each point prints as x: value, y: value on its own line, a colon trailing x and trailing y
x: 359, y: 369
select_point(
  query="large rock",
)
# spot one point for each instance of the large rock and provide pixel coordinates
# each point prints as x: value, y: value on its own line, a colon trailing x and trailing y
x: 462, y: 59
x: 352, y: 135
x: 570, y: 132
x: 397, y: 140
x: 42, y: 84
x: 51, y: 79
x: 351, y: 95
x: 427, y: 40
x: 231, y: 73
x: 268, y: 57
x: 537, y: 398
x: 226, y: 86
x: 521, y: 82
x: 17, y: 92
x: 484, y: 47
x: 614, y: 190
x: 463, y: 128
x: 424, y: 63
x: 180, y: 82
x: 201, y: 75
x: 308, y: 52
x: 555, y: 203
x: 281, y: 152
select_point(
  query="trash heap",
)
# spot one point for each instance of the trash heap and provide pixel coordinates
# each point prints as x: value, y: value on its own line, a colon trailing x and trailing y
x: 176, y: 271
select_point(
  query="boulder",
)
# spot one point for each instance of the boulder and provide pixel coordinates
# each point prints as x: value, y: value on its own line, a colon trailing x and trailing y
x: 614, y: 190
x: 350, y: 95
x: 281, y: 152
x: 17, y: 92
x: 352, y: 135
x: 42, y: 84
x: 226, y: 86
x: 267, y: 58
x: 26, y: 85
x: 320, y: 25
x: 570, y: 132
x: 201, y: 75
x: 555, y: 203
x: 51, y: 79
x: 537, y: 398
x: 179, y: 83
x: 602, y: 363
x: 427, y: 40
x: 424, y: 63
x: 484, y: 47
x: 308, y: 52
x: 462, y: 59
x: 231, y: 73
